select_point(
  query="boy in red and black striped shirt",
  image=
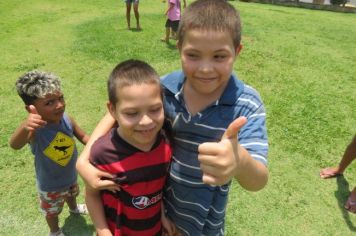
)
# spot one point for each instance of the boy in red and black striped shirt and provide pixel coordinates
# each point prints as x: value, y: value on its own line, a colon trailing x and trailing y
x: 136, y: 152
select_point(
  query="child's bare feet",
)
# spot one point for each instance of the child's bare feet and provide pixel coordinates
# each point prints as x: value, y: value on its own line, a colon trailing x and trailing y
x: 350, y: 204
x: 330, y: 172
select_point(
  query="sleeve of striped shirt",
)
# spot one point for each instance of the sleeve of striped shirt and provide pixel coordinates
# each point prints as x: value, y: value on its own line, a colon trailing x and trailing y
x: 253, y: 135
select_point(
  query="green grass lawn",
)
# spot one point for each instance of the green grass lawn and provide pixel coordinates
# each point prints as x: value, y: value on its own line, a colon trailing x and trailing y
x: 301, y: 61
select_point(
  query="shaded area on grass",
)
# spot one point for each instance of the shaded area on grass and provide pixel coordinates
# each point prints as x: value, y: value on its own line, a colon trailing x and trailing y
x: 76, y: 225
x: 342, y: 193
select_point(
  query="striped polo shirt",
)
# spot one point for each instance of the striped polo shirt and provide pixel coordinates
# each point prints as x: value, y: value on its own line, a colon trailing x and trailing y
x: 136, y: 208
x: 197, y: 208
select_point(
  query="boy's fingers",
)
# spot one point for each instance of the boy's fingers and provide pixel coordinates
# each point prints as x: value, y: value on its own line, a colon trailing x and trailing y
x: 106, y: 175
x: 32, y: 109
x: 35, y: 118
x: 234, y: 128
x: 208, y: 151
x: 106, y: 182
x: 109, y: 185
x: 210, y: 179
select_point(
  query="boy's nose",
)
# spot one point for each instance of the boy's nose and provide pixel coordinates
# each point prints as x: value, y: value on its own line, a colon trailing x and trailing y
x: 145, y: 120
x: 60, y: 104
x: 205, y: 67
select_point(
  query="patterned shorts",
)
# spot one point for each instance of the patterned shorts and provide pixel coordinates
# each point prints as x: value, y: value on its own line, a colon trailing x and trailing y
x: 52, y: 202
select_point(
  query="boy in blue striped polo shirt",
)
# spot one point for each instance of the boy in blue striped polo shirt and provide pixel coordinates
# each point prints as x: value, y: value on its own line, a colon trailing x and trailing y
x: 218, y: 123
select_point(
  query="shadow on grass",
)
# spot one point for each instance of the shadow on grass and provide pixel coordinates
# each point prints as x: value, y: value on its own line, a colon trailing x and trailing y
x: 136, y: 30
x: 76, y: 225
x: 341, y: 195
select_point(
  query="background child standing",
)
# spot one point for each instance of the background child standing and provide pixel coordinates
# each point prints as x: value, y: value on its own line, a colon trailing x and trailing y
x: 135, y: 4
x: 173, y: 14
x: 136, y: 152
x: 49, y: 131
x: 219, y: 123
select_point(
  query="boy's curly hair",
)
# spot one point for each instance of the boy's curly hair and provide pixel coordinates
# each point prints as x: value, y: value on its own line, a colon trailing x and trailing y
x: 37, y: 84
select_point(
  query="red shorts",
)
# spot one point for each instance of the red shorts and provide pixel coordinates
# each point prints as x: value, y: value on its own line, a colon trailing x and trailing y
x: 52, y: 202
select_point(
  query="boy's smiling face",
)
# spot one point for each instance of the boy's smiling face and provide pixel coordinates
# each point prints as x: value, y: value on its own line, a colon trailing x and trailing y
x: 51, y: 107
x: 139, y: 113
x: 207, y: 59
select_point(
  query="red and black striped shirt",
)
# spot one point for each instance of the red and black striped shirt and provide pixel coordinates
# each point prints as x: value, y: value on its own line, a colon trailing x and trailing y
x: 136, y: 209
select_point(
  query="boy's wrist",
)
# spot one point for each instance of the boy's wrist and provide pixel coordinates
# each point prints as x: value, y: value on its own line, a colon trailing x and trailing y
x: 242, y: 161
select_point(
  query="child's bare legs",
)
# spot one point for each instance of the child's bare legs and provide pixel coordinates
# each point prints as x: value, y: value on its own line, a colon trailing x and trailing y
x: 137, y: 16
x: 347, y: 158
x: 173, y: 34
x: 72, y: 203
x: 166, y: 37
x: 71, y: 200
x: 128, y: 12
x: 52, y: 223
x: 350, y: 204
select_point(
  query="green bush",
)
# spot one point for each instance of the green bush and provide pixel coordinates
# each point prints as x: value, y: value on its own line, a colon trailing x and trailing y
x: 338, y: 2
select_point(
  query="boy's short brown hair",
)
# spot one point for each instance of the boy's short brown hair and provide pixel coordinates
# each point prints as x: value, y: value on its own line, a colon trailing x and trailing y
x: 131, y: 72
x: 216, y: 15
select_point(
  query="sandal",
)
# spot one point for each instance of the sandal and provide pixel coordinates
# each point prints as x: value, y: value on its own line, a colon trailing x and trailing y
x: 80, y: 210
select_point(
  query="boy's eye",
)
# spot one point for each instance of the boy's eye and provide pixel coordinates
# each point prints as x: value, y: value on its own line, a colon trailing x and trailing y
x: 61, y: 98
x: 192, y: 55
x: 131, y: 114
x: 50, y: 103
x: 155, y: 110
x: 219, y: 57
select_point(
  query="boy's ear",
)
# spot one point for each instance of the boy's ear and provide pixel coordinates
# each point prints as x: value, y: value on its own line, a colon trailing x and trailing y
x: 238, y: 49
x: 111, y: 108
x: 178, y: 45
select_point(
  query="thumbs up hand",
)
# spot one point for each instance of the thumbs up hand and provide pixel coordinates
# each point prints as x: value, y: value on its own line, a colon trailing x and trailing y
x: 24, y: 133
x: 219, y: 161
x: 34, y: 120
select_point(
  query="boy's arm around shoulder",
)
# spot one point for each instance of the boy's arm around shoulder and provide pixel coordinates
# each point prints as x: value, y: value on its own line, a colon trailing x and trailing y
x: 78, y: 132
x: 92, y: 176
x: 24, y: 133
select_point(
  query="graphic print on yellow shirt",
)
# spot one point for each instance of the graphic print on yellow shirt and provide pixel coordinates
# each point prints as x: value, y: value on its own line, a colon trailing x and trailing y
x: 60, y: 150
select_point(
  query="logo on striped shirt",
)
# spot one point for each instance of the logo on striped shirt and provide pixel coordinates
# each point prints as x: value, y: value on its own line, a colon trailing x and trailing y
x: 143, y: 202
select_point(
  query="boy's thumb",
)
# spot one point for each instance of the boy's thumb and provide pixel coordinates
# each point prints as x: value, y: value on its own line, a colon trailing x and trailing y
x: 32, y: 109
x: 234, y: 127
